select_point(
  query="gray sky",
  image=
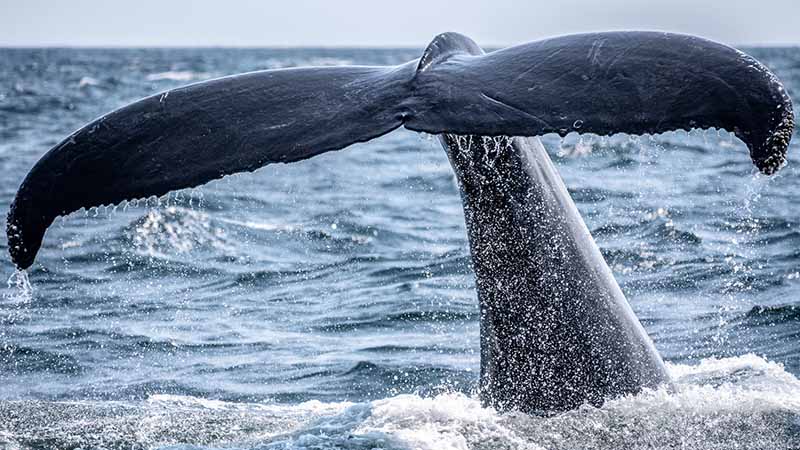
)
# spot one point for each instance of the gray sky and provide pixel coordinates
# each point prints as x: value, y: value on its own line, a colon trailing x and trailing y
x: 380, y: 23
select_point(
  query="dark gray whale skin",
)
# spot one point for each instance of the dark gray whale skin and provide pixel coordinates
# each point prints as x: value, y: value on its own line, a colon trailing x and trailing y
x: 556, y: 331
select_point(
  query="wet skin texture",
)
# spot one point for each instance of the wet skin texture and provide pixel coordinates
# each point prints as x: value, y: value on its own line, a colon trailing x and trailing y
x: 557, y: 331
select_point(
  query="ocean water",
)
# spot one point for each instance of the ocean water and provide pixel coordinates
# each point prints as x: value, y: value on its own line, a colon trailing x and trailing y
x: 331, y: 303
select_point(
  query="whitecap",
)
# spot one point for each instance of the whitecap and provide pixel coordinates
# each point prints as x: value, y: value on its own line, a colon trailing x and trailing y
x: 88, y: 81
x: 177, y: 75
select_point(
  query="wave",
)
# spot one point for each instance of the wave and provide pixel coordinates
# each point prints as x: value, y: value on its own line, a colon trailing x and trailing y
x: 771, y: 315
x: 24, y: 360
x: 398, y: 319
x: 743, y: 402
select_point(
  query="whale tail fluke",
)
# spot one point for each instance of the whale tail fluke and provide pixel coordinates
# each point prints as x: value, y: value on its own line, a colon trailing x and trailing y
x: 603, y: 83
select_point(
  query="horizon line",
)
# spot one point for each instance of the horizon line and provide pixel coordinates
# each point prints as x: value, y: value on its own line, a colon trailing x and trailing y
x: 289, y: 47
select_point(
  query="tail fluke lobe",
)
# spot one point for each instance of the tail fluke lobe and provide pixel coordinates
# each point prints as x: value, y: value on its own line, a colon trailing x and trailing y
x: 606, y: 83
x: 192, y: 135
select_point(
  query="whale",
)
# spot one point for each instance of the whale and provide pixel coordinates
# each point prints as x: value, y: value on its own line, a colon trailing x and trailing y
x: 556, y: 331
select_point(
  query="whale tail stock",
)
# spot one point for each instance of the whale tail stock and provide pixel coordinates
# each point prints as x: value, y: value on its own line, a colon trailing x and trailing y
x: 602, y: 83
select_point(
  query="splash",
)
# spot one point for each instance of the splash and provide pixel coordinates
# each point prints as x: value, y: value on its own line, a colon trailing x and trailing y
x: 20, y: 290
x: 175, y: 230
x: 15, y: 301
x: 744, y: 402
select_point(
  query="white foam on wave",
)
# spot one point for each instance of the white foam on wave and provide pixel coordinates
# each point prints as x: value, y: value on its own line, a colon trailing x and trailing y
x: 445, y: 422
x: 88, y: 81
x: 177, y: 75
x: 321, y: 61
x: 744, y: 402
x: 189, y: 402
x: 262, y: 226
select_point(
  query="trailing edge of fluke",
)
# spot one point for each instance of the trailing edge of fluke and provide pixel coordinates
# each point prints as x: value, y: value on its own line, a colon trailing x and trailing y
x: 602, y: 83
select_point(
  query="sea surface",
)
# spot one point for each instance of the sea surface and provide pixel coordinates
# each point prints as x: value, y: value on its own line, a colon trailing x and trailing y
x: 331, y: 303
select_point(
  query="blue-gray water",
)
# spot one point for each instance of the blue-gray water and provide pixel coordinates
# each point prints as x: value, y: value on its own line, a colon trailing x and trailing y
x: 331, y: 304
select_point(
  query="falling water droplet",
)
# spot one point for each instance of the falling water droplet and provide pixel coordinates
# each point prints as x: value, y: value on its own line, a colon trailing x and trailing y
x: 19, y: 287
